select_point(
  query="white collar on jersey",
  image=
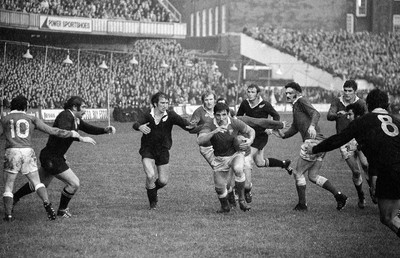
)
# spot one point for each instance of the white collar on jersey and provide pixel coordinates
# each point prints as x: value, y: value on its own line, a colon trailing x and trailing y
x: 380, y: 111
x: 342, y: 100
x: 164, y: 116
x: 17, y: 111
x: 260, y: 99
x: 223, y: 126
x: 299, y: 97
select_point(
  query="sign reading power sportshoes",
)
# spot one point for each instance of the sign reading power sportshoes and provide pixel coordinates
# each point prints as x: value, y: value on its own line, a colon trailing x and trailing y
x: 66, y: 23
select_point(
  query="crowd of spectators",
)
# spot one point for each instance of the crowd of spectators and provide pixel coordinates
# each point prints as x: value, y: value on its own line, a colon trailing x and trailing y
x: 135, y: 10
x: 360, y: 55
x: 47, y: 81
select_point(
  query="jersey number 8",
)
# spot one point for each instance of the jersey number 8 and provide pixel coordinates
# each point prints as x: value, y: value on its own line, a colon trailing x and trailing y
x: 17, y: 129
x: 388, y: 126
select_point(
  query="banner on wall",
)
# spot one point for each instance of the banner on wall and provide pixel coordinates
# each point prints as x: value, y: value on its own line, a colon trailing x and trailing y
x: 90, y: 114
x: 66, y: 23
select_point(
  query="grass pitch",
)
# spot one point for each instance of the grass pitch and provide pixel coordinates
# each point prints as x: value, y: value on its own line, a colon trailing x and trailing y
x: 111, y: 216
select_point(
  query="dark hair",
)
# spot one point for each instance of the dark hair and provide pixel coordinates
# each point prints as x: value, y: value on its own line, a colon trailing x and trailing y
x: 220, y: 107
x: 205, y: 94
x: 74, y: 101
x: 19, y: 103
x: 156, y: 98
x: 255, y: 86
x: 221, y: 100
x: 358, y: 110
x: 294, y: 85
x: 377, y: 99
x: 350, y: 84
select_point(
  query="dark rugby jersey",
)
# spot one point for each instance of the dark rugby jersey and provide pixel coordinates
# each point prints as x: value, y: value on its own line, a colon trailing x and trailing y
x: 223, y: 142
x: 160, y: 135
x: 304, y: 115
x: 377, y: 133
x: 263, y: 109
x: 67, y: 121
x: 337, y: 105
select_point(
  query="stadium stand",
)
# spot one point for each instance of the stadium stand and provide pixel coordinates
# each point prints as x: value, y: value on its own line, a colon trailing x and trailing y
x: 360, y: 55
x: 136, y: 10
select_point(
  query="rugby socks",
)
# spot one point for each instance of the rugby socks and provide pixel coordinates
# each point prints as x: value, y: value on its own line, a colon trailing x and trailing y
x: 24, y: 190
x: 152, y: 195
x: 328, y: 186
x: 271, y: 162
x: 8, y: 204
x: 398, y: 232
x: 64, y: 199
x: 301, y: 192
x: 240, y: 189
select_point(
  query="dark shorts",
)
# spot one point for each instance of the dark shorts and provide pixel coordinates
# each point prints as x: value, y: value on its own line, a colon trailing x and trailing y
x: 53, y: 164
x: 388, y: 186
x: 160, y: 155
x: 260, y: 141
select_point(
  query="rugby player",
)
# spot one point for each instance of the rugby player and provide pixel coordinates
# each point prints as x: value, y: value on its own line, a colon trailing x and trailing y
x: 337, y: 112
x: 52, y: 156
x: 378, y: 135
x: 221, y: 132
x: 305, y: 121
x: 20, y: 156
x: 156, y: 126
x: 255, y: 106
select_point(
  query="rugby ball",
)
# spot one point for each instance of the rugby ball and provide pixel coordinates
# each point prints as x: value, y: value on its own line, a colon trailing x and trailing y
x: 237, y: 141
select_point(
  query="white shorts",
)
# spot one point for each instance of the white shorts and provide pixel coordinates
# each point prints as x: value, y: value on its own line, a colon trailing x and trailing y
x: 349, y: 149
x: 311, y: 157
x: 224, y: 163
x: 20, y: 160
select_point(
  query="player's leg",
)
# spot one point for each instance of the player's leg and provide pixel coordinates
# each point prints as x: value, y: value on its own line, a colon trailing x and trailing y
x: 354, y: 166
x: 41, y: 191
x: 388, y: 210
x: 262, y: 122
x: 323, y: 182
x: 230, y: 188
x: 72, y: 185
x: 260, y: 161
x: 237, y: 164
x: 220, y: 181
x: 247, y: 169
x: 26, y: 189
x: 163, y: 175
x: 9, y: 179
x: 300, y: 180
x: 150, y: 171
x: 348, y: 152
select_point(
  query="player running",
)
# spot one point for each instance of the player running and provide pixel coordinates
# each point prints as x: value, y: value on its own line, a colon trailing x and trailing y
x: 20, y: 156
x: 254, y: 106
x: 221, y: 133
x: 52, y: 156
x: 378, y: 135
x: 305, y: 121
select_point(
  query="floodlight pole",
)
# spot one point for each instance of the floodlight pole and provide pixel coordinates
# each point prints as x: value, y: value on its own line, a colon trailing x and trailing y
x: 2, y: 88
x: 238, y: 85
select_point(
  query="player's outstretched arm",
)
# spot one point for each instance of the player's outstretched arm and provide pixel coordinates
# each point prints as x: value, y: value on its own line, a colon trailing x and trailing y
x: 41, y: 126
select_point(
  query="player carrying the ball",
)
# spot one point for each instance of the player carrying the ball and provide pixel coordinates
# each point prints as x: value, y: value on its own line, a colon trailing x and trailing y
x: 221, y: 132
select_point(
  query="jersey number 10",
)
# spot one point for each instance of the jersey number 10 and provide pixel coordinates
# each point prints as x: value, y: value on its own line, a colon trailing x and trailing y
x: 21, y: 128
